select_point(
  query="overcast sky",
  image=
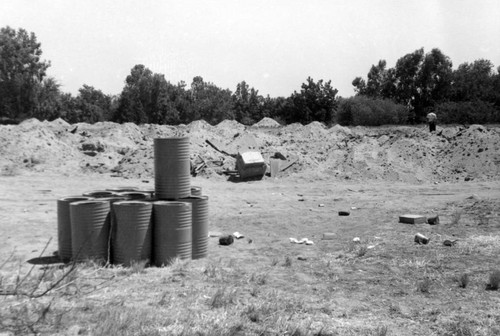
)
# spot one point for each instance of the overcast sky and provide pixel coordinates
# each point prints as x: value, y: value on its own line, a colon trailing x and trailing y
x: 272, y: 45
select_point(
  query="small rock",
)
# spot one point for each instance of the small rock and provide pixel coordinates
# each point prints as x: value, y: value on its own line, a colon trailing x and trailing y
x: 433, y: 220
x: 449, y: 242
x: 301, y: 258
x: 226, y: 240
x: 344, y: 213
x: 356, y: 239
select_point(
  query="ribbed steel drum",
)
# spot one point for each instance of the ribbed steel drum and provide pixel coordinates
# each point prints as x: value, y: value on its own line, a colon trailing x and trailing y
x: 196, y: 191
x: 172, y: 168
x: 99, y: 193
x: 135, y: 195
x: 199, y: 225
x: 64, y: 226
x: 121, y: 189
x: 172, y: 231
x: 131, y: 232
x: 90, y: 226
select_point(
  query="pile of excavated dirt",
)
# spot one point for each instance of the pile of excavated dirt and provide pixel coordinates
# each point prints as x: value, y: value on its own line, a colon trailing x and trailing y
x: 389, y: 153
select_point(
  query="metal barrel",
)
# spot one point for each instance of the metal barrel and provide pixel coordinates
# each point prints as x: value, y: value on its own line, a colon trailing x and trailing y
x: 64, y: 226
x: 122, y: 189
x: 90, y: 226
x: 196, y: 191
x: 99, y: 193
x: 172, y: 168
x: 132, y: 232
x: 172, y: 231
x: 135, y: 195
x: 199, y: 225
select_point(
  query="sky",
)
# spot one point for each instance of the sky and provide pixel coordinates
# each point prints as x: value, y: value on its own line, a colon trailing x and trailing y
x: 273, y: 45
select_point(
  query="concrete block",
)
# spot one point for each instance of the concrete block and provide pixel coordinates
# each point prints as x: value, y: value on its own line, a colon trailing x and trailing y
x: 412, y: 219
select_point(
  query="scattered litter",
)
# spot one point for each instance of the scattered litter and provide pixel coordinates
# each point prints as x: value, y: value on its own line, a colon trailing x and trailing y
x: 370, y: 247
x: 356, y: 239
x: 412, y: 219
x: 321, y: 205
x: 433, y: 220
x: 353, y: 208
x: 344, y: 213
x: 238, y: 235
x: 328, y: 236
x: 226, y: 240
x: 302, y: 241
x: 449, y: 242
x: 421, y: 239
x: 214, y: 234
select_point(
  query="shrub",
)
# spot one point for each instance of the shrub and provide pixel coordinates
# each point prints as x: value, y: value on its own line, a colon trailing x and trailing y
x: 468, y: 112
x: 364, y: 111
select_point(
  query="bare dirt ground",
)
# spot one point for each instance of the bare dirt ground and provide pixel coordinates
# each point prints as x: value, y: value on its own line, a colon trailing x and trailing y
x: 385, y: 284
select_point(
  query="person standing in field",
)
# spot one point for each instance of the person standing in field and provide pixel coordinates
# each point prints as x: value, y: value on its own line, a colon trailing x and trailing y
x: 431, y: 120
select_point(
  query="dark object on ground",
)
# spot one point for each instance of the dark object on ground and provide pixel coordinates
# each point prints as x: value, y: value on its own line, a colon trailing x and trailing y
x: 421, y: 239
x: 301, y: 258
x: 433, y: 220
x: 449, y: 242
x: 74, y: 130
x: 412, y: 219
x: 226, y: 240
x: 344, y: 213
x: 278, y: 155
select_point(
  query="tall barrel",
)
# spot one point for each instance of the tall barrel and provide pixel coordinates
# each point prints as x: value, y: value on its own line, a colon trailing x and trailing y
x: 172, y: 231
x: 131, y: 232
x: 90, y: 226
x: 196, y: 191
x: 199, y: 225
x: 64, y: 226
x: 172, y: 168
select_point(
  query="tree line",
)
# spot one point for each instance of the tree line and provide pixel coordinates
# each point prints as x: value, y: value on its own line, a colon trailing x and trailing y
x: 404, y: 94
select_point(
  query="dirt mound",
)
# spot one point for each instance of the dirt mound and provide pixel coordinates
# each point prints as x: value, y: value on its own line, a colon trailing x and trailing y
x: 403, y: 153
x: 267, y: 122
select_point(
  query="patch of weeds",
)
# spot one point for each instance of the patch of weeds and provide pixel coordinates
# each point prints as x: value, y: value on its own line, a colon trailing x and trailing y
x: 288, y: 261
x: 463, y: 280
x: 381, y: 331
x: 212, y: 271
x: 482, y: 219
x: 456, y: 216
x: 362, y: 250
x: 461, y: 328
x: 259, y: 278
x: 494, y: 283
x: 9, y: 170
x: 424, y: 286
x: 139, y: 266
x: 222, y: 298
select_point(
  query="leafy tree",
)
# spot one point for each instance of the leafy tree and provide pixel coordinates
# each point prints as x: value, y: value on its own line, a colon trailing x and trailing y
x: 247, y: 104
x: 314, y: 102
x: 209, y: 102
x: 434, y: 79
x: 474, y: 81
x: 21, y: 72
x: 92, y: 105
x: 48, y: 105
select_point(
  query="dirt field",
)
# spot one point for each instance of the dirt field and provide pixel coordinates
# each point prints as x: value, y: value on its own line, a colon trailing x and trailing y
x: 383, y: 284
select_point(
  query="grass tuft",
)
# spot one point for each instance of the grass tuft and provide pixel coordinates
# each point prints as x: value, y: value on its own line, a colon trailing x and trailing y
x: 463, y: 280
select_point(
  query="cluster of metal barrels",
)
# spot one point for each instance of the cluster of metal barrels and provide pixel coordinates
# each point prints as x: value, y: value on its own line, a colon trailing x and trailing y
x: 125, y: 225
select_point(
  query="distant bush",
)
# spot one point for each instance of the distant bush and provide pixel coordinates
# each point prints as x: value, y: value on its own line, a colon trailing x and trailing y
x: 468, y: 112
x: 364, y: 111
